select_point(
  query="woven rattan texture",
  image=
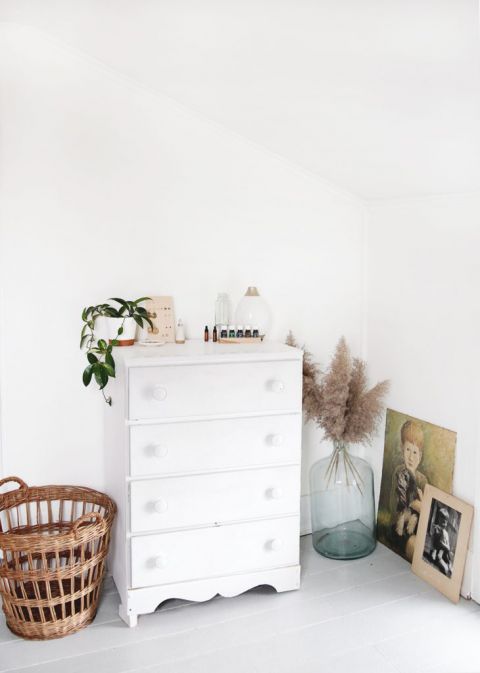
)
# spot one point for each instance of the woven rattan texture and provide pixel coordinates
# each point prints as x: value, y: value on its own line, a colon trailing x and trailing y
x: 53, y: 546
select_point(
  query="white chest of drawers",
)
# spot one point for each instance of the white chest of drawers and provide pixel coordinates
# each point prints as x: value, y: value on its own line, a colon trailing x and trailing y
x: 203, y: 459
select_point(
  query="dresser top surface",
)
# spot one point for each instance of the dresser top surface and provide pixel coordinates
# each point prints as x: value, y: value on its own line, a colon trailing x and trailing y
x: 198, y: 351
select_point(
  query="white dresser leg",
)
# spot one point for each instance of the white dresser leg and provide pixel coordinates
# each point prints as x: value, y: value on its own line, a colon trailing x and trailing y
x: 129, y: 618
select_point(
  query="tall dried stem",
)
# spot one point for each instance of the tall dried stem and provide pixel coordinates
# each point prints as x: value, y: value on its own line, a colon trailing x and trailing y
x: 341, y: 403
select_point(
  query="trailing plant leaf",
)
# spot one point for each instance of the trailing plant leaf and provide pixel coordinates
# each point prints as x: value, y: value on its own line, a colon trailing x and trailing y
x: 120, y: 301
x: 101, y: 365
x: 109, y: 360
x: 87, y: 375
x: 109, y: 369
x: 100, y: 373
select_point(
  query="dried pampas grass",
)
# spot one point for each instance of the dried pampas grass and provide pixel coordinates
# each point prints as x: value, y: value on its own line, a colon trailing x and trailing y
x: 311, y: 384
x: 340, y: 401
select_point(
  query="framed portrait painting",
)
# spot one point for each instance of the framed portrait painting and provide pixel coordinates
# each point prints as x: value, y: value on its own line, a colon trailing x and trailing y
x: 416, y: 453
x: 442, y: 541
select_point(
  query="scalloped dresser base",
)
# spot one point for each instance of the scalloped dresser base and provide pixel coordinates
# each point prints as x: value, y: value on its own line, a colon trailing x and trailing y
x: 145, y: 601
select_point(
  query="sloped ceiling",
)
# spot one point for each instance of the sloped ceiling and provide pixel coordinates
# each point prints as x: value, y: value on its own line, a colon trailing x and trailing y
x: 380, y: 97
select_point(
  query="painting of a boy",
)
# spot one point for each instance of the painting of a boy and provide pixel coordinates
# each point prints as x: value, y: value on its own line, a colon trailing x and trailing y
x: 416, y: 453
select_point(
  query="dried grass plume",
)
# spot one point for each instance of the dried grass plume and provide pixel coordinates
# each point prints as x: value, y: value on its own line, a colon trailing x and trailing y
x: 311, y: 382
x: 340, y: 401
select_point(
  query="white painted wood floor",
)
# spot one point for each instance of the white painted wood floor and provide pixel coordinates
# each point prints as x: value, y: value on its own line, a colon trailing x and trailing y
x: 371, y: 615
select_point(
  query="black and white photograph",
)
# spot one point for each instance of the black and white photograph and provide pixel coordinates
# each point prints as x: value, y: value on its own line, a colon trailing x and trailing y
x: 441, y: 539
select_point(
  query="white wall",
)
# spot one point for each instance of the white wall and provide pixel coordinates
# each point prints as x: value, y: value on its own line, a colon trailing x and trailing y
x: 109, y: 189
x: 423, y: 319
x: 335, y: 85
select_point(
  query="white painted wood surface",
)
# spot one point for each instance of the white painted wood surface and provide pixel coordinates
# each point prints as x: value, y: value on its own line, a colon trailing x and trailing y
x: 214, y: 499
x: 369, y: 616
x: 205, y: 389
x: 203, y: 449
x: 206, y: 446
x: 213, y: 553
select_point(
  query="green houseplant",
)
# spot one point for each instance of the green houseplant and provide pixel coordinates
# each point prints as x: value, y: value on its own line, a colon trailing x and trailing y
x: 101, y: 364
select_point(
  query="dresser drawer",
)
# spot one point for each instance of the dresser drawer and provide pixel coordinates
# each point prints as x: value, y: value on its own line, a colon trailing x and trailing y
x: 202, y: 446
x: 208, y: 552
x: 198, y: 390
x: 178, y: 502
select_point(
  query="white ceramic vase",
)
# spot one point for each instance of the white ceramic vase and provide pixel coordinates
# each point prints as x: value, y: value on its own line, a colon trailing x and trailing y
x: 127, y: 338
x: 253, y: 310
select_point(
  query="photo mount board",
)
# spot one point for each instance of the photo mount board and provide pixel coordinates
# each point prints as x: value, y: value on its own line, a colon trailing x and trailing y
x: 162, y: 314
x: 449, y: 586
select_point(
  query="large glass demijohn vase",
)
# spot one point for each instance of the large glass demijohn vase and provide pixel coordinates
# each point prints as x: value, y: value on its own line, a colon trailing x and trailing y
x: 342, y: 505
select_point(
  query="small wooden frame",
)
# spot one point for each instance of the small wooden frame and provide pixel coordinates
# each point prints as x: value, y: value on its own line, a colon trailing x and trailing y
x: 161, y: 313
x: 442, y: 541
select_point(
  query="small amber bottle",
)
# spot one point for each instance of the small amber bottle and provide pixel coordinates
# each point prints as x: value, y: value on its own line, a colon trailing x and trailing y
x: 214, y: 333
x: 205, y: 334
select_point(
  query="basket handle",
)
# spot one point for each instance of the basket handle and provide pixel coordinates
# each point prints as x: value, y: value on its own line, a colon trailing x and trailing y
x: 19, y: 481
x: 84, y: 518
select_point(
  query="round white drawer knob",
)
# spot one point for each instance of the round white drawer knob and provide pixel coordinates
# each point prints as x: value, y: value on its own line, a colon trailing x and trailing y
x: 274, y: 493
x: 159, y: 451
x: 159, y: 393
x: 275, y: 545
x: 160, y: 561
x: 160, y: 506
x: 276, y: 386
x: 275, y: 440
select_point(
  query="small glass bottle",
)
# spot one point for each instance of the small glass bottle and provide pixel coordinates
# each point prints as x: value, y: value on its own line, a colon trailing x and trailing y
x: 248, y: 331
x: 214, y: 333
x: 255, y: 333
x: 222, y: 309
x: 205, y: 333
x: 180, y: 333
x: 224, y: 332
x: 231, y: 331
x: 239, y: 331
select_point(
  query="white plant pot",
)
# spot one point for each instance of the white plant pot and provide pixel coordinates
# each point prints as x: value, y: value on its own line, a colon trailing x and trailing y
x: 127, y: 338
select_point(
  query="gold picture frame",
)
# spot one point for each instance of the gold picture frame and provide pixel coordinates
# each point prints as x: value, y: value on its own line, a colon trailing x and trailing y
x: 441, y: 544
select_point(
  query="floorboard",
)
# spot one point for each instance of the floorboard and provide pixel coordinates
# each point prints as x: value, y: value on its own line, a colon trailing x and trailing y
x: 367, y: 615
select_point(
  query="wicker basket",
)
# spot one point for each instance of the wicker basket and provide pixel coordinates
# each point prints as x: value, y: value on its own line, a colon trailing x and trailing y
x: 53, y: 545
